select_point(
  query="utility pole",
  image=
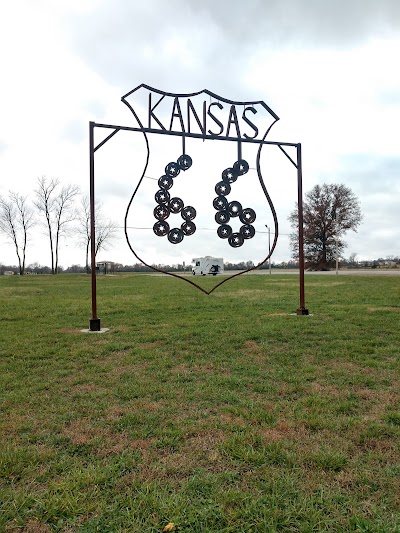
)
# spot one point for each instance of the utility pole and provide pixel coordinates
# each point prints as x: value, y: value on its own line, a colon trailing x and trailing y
x: 336, y: 245
x: 337, y: 258
x: 335, y: 225
x: 269, y: 248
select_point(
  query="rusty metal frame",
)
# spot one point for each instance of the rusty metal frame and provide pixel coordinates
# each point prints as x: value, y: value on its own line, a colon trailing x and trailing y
x: 94, y: 324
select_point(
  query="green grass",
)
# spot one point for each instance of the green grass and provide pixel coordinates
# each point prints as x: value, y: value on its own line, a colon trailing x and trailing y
x: 221, y: 413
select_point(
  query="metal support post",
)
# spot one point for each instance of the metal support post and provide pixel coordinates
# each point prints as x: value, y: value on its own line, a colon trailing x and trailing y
x: 302, y: 309
x: 94, y: 323
x: 337, y: 257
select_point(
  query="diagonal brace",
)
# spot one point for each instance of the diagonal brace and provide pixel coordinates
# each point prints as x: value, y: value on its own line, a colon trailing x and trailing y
x: 287, y: 155
x: 106, y: 139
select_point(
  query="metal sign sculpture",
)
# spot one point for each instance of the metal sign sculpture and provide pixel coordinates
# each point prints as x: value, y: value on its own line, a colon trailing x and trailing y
x: 206, y: 116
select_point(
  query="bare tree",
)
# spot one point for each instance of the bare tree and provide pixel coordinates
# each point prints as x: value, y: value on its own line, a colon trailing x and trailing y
x: 353, y: 259
x: 44, y: 202
x: 105, y: 230
x: 16, y: 219
x: 56, y: 204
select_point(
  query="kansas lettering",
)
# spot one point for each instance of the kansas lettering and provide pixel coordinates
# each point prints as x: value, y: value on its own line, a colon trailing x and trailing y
x: 209, y: 118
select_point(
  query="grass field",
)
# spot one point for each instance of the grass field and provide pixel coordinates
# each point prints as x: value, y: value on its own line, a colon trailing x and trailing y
x: 224, y: 413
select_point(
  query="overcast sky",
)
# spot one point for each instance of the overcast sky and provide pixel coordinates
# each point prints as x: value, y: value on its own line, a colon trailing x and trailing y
x: 329, y: 70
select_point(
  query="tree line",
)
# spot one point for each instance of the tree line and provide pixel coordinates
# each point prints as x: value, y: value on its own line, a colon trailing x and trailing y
x: 329, y: 211
x: 37, y: 268
x: 55, y: 208
x: 350, y: 263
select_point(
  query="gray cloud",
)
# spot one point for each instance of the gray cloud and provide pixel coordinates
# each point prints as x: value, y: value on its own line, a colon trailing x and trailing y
x: 95, y: 108
x: 371, y: 174
x: 310, y: 22
x: 389, y: 97
x: 376, y: 181
x: 127, y: 42
x: 74, y: 131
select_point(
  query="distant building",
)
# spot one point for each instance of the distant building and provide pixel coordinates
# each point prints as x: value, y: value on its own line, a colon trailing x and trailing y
x: 105, y: 267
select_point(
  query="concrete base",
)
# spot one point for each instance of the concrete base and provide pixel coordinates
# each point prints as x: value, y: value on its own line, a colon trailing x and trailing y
x: 102, y: 330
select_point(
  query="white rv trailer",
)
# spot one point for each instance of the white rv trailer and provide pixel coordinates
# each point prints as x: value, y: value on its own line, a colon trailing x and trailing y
x: 208, y: 265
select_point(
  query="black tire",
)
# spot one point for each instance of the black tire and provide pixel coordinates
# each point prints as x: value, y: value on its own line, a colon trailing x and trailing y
x: 184, y: 162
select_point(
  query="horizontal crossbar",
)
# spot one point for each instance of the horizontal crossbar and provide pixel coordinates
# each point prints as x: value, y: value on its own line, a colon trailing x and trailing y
x: 193, y: 135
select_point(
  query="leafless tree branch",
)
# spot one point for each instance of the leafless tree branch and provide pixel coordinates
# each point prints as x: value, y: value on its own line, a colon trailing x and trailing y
x: 16, y: 219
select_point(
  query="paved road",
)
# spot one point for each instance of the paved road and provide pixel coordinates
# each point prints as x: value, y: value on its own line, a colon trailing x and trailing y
x: 275, y: 272
x: 351, y: 272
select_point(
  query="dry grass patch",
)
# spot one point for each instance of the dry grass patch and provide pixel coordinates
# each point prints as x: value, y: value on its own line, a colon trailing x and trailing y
x: 119, y: 370
x: 253, y: 348
x: 366, y: 394
x: 325, y: 284
x: 384, y: 308
x: 197, y: 451
x: 204, y: 442
x: 385, y: 446
x: 185, y: 369
x: 259, y: 353
x: 114, y: 412
x: 315, y: 480
x: 248, y: 294
x: 108, y: 441
x: 81, y: 431
x: 117, y: 443
x: 329, y: 390
x: 230, y: 419
x: 285, y: 431
x: 32, y: 526
x: 84, y: 388
x: 381, y: 403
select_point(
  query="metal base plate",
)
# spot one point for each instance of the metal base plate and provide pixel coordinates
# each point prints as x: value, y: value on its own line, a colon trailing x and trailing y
x: 302, y: 311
